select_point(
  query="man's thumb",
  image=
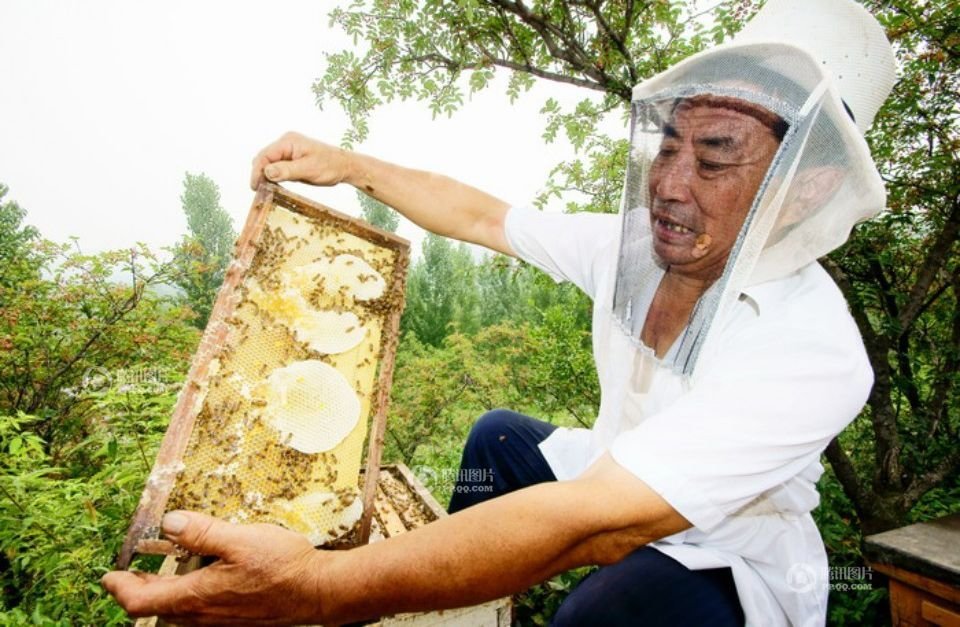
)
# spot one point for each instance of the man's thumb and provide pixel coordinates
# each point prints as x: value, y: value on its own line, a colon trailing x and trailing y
x: 295, y: 170
x: 277, y: 172
x: 202, y: 534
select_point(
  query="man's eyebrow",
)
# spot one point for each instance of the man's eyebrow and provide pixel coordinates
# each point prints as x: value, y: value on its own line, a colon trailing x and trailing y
x: 724, y: 142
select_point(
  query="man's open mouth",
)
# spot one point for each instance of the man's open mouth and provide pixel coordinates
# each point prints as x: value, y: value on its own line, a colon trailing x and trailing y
x: 673, y: 226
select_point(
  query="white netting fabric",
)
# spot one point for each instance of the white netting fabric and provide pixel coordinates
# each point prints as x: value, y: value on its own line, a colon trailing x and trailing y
x: 820, y: 181
x: 279, y: 435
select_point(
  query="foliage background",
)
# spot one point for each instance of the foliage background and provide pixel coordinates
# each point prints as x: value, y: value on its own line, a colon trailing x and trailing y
x: 93, y: 347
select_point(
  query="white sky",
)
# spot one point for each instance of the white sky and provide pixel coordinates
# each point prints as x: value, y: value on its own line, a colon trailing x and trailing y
x: 106, y: 103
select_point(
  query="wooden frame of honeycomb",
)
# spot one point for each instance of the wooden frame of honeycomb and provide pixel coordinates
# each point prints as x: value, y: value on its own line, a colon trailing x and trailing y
x: 292, y: 373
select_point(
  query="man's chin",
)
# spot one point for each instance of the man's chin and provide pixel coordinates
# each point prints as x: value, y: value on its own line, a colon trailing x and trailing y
x: 666, y: 255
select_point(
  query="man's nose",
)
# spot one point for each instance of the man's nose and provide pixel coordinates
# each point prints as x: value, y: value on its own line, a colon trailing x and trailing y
x: 673, y: 179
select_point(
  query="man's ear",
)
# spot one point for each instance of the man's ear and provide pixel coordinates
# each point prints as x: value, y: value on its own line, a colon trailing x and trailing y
x: 810, y: 190
x: 814, y: 187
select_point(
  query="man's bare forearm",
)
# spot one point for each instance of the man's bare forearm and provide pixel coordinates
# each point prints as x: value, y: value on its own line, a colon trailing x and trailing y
x: 434, y: 202
x: 476, y: 555
x: 490, y: 550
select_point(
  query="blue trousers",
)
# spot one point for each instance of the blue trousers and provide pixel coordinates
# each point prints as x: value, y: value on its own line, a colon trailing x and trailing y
x: 645, y: 588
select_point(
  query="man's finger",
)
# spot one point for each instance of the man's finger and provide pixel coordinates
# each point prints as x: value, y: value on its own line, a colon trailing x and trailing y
x: 147, y: 596
x: 277, y: 172
x: 256, y: 172
x: 295, y: 170
x: 279, y: 150
x: 149, y: 577
x: 205, y: 535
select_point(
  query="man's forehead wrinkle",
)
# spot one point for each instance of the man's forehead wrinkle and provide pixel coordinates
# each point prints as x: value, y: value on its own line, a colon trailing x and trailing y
x: 735, y: 113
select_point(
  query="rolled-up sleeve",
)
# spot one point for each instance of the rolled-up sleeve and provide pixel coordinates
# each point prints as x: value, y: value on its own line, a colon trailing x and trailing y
x: 762, y: 412
x: 568, y: 247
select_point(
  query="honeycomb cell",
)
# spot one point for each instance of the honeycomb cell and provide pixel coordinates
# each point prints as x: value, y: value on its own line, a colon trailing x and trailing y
x: 346, y: 272
x: 311, y: 405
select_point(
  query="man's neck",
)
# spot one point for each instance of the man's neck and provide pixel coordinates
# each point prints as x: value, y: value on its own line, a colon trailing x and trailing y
x: 670, y: 310
x: 683, y: 288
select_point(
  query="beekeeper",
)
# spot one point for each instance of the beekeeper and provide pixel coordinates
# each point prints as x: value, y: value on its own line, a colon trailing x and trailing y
x: 726, y: 356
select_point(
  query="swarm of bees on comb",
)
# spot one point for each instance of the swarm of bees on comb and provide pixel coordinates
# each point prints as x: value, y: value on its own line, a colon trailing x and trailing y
x: 280, y: 414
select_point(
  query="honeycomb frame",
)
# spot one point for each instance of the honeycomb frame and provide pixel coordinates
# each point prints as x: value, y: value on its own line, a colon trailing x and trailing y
x: 193, y: 431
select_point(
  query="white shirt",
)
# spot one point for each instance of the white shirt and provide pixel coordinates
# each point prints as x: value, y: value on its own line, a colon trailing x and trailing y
x: 738, y: 452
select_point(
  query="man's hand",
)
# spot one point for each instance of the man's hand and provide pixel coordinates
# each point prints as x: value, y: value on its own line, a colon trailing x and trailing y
x: 264, y: 572
x: 434, y: 202
x: 294, y: 157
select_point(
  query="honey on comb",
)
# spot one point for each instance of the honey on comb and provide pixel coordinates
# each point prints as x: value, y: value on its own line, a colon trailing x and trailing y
x: 281, y: 426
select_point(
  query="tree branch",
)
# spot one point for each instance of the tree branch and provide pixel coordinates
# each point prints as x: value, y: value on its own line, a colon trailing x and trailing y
x: 618, y: 42
x: 870, y: 338
x: 399, y: 444
x: 847, y: 476
x: 629, y: 15
x: 121, y: 310
x: 937, y: 256
x: 577, y: 417
x: 937, y: 404
x: 927, y: 481
x: 886, y: 290
x: 564, y: 47
x: 930, y: 192
x: 907, y: 377
x: 453, y: 66
x: 507, y: 25
x: 934, y: 297
x: 883, y: 418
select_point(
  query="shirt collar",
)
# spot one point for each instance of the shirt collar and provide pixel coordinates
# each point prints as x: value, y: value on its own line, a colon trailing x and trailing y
x: 769, y: 291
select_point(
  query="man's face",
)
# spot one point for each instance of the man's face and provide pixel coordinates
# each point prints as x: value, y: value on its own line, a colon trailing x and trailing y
x: 713, y: 157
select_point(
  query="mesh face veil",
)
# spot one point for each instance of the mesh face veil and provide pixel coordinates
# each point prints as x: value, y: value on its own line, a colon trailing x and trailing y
x: 747, y: 149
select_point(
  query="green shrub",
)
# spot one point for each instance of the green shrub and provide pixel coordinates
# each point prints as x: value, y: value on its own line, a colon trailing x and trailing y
x: 61, y: 525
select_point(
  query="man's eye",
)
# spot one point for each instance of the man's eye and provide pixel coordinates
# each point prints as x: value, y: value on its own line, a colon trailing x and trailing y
x: 712, y: 166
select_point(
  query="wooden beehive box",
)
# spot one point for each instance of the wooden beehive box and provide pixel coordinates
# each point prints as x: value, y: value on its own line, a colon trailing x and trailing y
x: 292, y: 373
x: 402, y: 504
